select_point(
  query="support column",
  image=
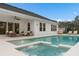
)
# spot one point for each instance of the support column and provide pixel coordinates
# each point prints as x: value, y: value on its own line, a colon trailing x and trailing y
x: 6, y: 26
x: 13, y: 27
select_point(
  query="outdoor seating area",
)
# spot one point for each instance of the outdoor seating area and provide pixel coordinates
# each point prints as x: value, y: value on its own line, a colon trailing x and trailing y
x: 13, y: 34
x: 60, y: 32
x: 69, y: 32
x: 73, y: 32
x: 29, y: 33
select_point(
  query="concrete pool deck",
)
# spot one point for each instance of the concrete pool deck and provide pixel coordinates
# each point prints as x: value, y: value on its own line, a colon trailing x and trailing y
x: 8, y: 49
x: 74, y: 51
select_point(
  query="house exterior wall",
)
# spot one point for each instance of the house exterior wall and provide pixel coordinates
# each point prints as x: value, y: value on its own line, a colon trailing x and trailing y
x: 22, y: 22
x: 8, y: 19
x: 48, y: 31
x: 23, y: 25
x: 8, y: 16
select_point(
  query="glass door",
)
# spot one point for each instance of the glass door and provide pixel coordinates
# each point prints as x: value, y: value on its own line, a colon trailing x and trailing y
x: 2, y: 27
x: 17, y: 28
x: 10, y: 26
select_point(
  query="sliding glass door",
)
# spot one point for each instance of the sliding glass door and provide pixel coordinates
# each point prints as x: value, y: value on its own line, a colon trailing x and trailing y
x: 2, y: 27
x: 13, y: 27
x: 17, y: 28
x: 10, y: 26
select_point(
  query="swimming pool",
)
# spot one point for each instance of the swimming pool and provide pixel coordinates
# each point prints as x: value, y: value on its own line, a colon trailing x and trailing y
x: 42, y: 49
x: 52, y: 45
x: 55, y: 40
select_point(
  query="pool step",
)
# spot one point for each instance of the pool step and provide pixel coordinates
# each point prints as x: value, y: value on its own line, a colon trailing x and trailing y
x: 39, y: 42
x: 62, y: 45
x: 54, y: 45
x: 46, y: 43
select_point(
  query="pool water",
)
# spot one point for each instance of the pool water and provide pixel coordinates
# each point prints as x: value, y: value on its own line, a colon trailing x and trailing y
x: 43, y: 50
x: 55, y: 40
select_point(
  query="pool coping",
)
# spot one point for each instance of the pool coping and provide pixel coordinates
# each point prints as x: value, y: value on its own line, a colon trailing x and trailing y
x: 29, y: 37
x: 74, y: 51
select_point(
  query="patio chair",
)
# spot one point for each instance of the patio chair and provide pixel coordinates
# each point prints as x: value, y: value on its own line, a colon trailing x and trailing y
x: 60, y: 32
x: 70, y: 32
x: 12, y: 34
x: 22, y: 33
x: 29, y: 33
x: 75, y: 32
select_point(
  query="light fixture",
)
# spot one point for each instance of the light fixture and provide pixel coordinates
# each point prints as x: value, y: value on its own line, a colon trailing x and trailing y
x: 16, y: 18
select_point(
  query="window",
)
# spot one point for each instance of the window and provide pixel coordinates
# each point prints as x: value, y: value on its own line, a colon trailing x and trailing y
x: 10, y: 26
x: 42, y: 27
x: 17, y: 28
x: 16, y: 18
x: 28, y: 26
x: 53, y: 28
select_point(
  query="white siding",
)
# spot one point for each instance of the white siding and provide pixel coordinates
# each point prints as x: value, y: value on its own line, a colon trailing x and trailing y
x: 48, y: 28
x: 9, y: 17
x: 22, y: 22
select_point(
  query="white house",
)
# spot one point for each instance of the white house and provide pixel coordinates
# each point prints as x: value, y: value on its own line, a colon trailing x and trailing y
x: 19, y: 20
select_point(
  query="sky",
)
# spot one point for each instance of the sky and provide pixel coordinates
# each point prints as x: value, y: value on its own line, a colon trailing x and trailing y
x: 54, y: 11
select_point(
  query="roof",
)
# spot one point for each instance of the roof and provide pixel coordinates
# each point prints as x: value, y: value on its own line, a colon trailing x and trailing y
x: 16, y: 9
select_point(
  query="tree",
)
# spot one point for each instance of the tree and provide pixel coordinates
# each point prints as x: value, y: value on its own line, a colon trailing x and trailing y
x: 76, y: 23
x: 70, y: 25
x: 67, y: 25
